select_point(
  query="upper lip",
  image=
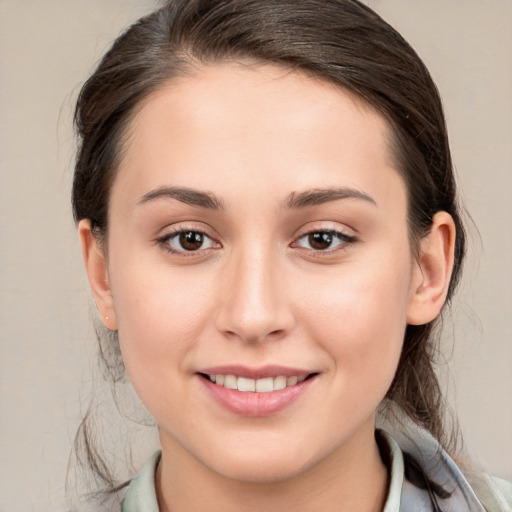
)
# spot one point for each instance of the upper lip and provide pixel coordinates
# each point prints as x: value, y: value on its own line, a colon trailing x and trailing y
x: 255, y: 373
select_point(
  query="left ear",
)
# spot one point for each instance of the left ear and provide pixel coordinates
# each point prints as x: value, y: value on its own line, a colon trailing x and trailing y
x: 432, y: 271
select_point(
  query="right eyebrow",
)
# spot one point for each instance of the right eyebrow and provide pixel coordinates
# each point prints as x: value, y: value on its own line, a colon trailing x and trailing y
x: 185, y: 195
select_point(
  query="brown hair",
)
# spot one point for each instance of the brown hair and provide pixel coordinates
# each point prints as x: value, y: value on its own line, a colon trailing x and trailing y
x: 340, y: 41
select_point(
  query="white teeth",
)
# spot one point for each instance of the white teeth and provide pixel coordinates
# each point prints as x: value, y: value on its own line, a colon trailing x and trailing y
x: 291, y: 381
x: 246, y: 384
x: 265, y: 385
x: 279, y: 383
x: 230, y: 382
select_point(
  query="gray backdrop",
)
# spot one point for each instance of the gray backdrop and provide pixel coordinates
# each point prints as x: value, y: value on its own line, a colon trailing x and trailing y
x: 47, y: 48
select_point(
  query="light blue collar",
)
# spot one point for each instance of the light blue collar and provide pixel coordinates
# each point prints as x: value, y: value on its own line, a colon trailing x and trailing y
x: 141, y: 493
x: 425, y: 463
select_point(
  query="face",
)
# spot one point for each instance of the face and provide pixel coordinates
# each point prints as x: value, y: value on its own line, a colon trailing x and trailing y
x: 258, y: 238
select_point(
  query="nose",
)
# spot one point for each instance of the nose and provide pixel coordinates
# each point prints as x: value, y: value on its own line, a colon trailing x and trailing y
x: 254, y: 306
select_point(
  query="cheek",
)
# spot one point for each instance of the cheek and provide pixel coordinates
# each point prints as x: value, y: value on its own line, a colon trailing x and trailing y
x: 359, y: 317
x: 160, y: 314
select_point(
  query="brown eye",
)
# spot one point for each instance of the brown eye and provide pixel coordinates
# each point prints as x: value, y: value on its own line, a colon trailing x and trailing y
x: 320, y: 240
x: 326, y: 241
x: 187, y: 240
x: 191, y: 240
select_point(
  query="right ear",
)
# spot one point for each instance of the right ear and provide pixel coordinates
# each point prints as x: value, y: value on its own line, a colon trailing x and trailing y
x: 97, y: 273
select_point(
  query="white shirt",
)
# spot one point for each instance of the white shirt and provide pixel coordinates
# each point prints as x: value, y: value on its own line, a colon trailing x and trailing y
x: 423, y: 478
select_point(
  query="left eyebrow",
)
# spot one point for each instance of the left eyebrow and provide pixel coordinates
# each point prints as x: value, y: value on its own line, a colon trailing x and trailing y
x: 321, y: 196
x: 185, y: 195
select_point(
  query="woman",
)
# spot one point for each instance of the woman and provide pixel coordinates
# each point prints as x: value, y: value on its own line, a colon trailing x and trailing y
x: 269, y: 224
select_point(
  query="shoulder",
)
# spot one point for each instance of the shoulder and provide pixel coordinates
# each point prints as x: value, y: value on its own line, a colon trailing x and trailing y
x: 428, y: 467
x: 452, y: 485
x: 141, y: 493
x: 494, y: 493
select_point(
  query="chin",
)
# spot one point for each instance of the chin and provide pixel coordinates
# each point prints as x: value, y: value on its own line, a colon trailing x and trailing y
x: 261, y: 473
x: 262, y: 465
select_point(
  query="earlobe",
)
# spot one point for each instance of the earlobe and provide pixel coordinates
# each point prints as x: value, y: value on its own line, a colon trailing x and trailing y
x: 432, y: 271
x: 97, y: 274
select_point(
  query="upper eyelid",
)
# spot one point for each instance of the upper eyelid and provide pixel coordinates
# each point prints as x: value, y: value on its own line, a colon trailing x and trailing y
x: 170, y: 231
x: 180, y: 227
x: 174, y: 232
x: 325, y: 226
x: 340, y: 234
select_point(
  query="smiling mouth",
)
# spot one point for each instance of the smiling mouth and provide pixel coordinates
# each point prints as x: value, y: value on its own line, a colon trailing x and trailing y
x: 264, y: 385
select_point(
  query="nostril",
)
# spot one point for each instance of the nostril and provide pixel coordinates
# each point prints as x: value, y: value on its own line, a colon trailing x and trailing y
x: 273, y: 335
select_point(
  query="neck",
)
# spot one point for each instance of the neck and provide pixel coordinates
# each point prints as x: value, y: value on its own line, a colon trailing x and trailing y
x: 352, y: 478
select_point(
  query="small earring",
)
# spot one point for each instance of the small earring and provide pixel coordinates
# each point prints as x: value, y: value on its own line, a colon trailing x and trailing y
x: 107, y: 318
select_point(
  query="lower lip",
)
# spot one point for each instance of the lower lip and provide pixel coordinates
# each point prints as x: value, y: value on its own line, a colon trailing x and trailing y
x: 253, y: 404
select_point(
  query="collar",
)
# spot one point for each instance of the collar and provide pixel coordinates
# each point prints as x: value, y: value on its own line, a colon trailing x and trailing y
x: 141, y: 493
x: 423, y: 478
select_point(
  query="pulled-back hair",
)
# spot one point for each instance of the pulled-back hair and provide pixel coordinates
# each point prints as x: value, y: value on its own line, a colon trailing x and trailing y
x: 339, y: 41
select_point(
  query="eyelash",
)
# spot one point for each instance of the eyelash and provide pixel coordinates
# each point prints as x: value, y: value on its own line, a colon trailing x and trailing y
x: 344, y: 240
x: 165, y: 240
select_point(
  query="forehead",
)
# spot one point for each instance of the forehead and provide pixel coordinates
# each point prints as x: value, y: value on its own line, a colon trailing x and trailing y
x: 233, y: 93
x: 254, y: 124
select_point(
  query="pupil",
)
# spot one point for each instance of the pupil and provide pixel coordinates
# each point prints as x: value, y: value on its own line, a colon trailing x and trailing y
x: 320, y: 240
x: 191, y: 240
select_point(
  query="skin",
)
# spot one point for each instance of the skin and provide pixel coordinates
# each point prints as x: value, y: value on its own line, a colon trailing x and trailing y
x: 257, y: 292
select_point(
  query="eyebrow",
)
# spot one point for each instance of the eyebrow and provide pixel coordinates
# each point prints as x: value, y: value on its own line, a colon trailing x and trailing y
x: 295, y: 200
x: 185, y: 195
x: 321, y: 196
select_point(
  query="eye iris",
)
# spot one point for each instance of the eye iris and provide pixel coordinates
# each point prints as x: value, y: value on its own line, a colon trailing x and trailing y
x: 320, y: 240
x: 191, y: 240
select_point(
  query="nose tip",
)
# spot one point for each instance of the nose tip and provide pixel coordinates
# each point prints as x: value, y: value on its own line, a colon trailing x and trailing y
x: 254, y: 305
